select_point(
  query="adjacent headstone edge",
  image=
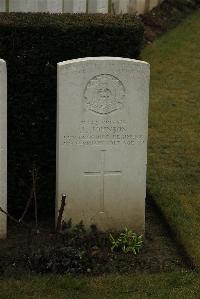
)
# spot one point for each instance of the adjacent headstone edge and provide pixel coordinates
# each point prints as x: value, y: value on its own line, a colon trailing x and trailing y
x: 3, y: 148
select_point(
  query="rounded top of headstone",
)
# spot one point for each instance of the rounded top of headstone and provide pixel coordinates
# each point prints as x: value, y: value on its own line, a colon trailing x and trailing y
x: 104, y: 58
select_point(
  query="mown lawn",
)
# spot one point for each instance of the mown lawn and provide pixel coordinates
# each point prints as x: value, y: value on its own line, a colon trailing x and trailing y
x: 174, y: 285
x: 173, y: 180
x: 174, y: 143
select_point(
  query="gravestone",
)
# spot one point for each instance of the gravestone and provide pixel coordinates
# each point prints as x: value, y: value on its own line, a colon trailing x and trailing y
x: 97, y: 6
x: 126, y: 6
x: 2, y: 5
x: 119, y: 6
x: 52, y: 6
x: 23, y: 6
x: 153, y: 3
x: 129, y: 6
x: 141, y: 6
x: 102, y: 131
x: 3, y: 148
x: 75, y: 6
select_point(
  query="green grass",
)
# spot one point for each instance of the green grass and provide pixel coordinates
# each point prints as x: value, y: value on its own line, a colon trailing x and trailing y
x: 173, y: 285
x: 174, y: 144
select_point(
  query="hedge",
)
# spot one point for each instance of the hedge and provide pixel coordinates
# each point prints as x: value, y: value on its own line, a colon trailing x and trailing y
x: 32, y: 45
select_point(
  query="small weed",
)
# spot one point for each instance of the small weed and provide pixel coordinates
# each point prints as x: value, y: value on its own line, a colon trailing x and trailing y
x: 128, y: 241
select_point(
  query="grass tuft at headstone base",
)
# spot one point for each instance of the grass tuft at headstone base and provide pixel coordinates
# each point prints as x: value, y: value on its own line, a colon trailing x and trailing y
x: 32, y: 45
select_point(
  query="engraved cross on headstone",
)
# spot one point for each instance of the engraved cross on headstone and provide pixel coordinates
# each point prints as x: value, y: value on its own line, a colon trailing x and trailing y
x: 102, y: 173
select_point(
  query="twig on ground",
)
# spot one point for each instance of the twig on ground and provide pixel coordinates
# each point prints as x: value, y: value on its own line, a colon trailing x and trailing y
x: 14, y: 219
x: 34, y: 180
x: 60, y: 214
x: 32, y: 196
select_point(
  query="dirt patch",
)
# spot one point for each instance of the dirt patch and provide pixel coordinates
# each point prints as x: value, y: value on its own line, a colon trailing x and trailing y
x: 166, y: 16
x: 89, y: 253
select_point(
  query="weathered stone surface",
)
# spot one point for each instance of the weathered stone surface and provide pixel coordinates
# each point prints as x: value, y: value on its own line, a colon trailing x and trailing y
x: 141, y: 6
x: 54, y: 6
x: 78, y: 6
x: 102, y: 141
x: 75, y: 6
x: 3, y: 148
x: 153, y: 3
x: 2, y: 5
x: 119, y: 6
x: 133, y: 6
x: 98, y: 6
x: 23, y: 5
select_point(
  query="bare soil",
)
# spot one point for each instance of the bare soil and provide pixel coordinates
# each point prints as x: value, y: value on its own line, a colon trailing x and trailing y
x: 90, y: 253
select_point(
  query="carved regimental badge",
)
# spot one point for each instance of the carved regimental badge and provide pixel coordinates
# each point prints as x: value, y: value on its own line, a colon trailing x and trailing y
x: 104, y: 94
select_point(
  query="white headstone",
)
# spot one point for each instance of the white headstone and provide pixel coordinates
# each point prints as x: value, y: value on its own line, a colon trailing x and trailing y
x: 153, y: 3
x: 97, y: 6
x: 140, y: 6
x: 52, y: 6
x: 133, y: 5
x: 2, y: 5
x: 75, y: 6
x: 23, y: 5
x: 102, y: 127
x: 119, y: 6
x: 124, y: 6
x: 3, y: 148
x: 42, y: 6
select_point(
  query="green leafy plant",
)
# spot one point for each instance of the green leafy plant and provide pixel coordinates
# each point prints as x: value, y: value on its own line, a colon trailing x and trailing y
x: 127, y: 241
